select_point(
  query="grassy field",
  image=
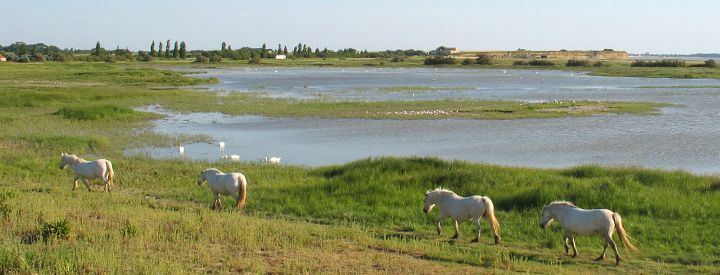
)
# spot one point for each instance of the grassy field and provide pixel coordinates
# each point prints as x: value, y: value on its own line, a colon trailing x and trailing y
x: 361, y: 217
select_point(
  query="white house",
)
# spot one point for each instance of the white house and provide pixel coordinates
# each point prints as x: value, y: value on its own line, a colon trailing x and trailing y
x: 2, y: 58
x: 280, y: 56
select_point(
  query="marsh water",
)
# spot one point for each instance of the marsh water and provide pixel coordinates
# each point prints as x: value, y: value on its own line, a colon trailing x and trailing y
x: 686, y: 136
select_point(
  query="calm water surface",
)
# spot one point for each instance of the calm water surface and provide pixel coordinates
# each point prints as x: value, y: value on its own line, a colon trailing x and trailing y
x: 686, y: 137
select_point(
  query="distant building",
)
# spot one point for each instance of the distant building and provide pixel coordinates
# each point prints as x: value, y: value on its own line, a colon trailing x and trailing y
x: 2, y: 58
x: 443, y: 51
x: 280, y: 56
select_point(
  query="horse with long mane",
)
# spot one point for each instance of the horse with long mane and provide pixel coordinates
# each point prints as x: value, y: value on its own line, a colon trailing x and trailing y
x: 460, y: 209
x: 88, y: 170
x: 586, y: 222
x: 233, y: 184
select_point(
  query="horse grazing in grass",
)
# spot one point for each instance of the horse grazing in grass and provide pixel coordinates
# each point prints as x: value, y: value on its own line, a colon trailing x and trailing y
x: 462, y: 208
x: 578, y: 221
x: 88, y: 170
x: 233, y: 184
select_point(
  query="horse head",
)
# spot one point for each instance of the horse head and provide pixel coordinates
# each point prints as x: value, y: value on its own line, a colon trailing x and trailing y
x: 430, y: 199
x: 201, y: 178
x: 65, y: 160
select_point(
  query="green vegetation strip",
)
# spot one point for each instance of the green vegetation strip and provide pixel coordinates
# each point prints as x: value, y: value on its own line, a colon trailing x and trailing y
x: 361, y: 217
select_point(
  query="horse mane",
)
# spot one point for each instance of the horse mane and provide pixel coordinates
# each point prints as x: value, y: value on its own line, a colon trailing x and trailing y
x: 565, y: 203
x: 72, y: 157
x: 439, y: 189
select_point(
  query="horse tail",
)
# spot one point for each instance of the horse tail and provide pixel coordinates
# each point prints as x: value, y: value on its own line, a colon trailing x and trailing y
x: 242, y: 193
x: 621, y: 231
x: 110, y: 173
x: 490, y: 216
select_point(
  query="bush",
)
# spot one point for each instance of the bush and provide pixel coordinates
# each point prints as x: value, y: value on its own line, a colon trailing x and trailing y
x: 599, y: 64
x: 483, y: 59
x: 467, y: 61
x: 254, y: 60
x: 397, y: 59
x: 439, y: 60
x: 59, y: 230
x: 540, y: 62
x: 520, y: 63
x: 201, y: 58
x: 576, y: 63
x: 144, y: 57
x: 710, y: 63
x: 11, y: 56
x: 25, y: 58
x: 215, y: 58
x: 660, y: 63
x: 38, y: 57
x: 110, y: 58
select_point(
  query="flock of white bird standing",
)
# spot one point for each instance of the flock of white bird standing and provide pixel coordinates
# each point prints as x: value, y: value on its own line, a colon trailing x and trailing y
x: 574, y: 221
x: 231, y: 157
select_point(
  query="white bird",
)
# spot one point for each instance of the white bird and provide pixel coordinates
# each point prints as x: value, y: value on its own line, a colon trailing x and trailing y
x: 181, y: 149
x: 505, y: 71
x: 537, y: 72
x: 231, y: 157
x: 273, y: 160
x: 222, y: 146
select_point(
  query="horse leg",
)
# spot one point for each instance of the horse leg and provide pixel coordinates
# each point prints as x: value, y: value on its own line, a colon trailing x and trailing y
x: 218, y: 204
x: 75, y: 184
x: 614, y: 247
x: 572, y: 240
x: 477, y: 235
x: 605, y: 246
x: 439, y: 222
x: 457, y: 230
x: 87, y: 183
x: 565, y: 243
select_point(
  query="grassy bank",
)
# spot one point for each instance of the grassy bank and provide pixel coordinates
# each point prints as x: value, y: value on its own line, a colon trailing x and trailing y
x: 616, y: 68
x: 361, y: 217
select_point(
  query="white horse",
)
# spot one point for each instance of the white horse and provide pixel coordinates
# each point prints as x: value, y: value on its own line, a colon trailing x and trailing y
x: 462, y: 208
x: 233, y: 184
x: 88, y: 170
x: 583, y: 222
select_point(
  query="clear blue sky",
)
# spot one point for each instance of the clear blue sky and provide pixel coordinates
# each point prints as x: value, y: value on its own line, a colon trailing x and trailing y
x: 658, y: 26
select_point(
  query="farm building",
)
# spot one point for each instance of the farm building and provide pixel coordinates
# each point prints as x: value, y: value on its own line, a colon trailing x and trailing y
x: 2, y: 58
x: 280, y: 56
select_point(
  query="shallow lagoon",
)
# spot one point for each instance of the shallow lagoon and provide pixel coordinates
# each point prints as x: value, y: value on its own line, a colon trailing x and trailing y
x: 684, y: 137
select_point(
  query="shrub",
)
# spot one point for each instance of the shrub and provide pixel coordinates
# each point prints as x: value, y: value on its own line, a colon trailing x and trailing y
x: 658, y: 63
x: 599, y: 64
x: 540, y: 62
x: 484, y: 59
x: 25, y: 58
x: 439, y: 60
x: 201, y: 58
x: 397, y: 59
x: 710, y: 63
x: 38, y: 57
x: 110, y: 58
x: 11, y: 56
x: 215, y: 58
x: 520, y: 63
x: 467, y: 61
x: 59, y: 230
x: 254, y: 60
x: 576, y: 63
x: 144, y: 57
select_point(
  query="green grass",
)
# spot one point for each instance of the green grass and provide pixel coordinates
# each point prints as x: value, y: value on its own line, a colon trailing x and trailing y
x: 104, y: 112
x: 361, y: 217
